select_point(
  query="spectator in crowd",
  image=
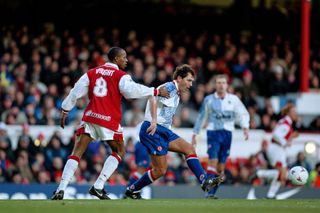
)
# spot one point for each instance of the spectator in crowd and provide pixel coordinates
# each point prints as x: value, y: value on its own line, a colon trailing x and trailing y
x: 37, y: 70
x: 315, y: 176
x: 55, y: 148
x: 315, y: 124
x: 5, y: 142
x: 302, y: 161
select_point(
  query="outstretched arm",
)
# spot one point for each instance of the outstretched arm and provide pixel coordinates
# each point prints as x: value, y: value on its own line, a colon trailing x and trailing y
x: 131, y: 90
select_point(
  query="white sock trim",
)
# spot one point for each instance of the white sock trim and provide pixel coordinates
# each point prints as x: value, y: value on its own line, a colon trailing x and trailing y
x: 150, y: 176
x: 137, y: 174
x: 211, y: 168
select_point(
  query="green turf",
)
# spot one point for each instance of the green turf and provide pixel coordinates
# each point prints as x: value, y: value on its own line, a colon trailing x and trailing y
x: 161, y: 206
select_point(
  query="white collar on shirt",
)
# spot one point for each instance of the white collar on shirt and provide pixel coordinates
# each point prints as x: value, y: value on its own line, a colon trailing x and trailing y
x: 218, y: 97
x: 288, y: 119
x: 112, y: 65
x: 176, y: 84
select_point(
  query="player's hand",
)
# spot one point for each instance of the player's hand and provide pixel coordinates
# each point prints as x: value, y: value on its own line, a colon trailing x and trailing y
x: 246, y: 133
x: 163, y: 92
x: 152, y: 128
x: 194, y: 141
x: 63, y: 116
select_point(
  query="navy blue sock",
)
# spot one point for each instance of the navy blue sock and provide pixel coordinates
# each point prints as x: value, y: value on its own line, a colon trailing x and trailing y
x: 195, y: 166
x: 145, y: 180
x: 133, y: 178
x: 213, y: 191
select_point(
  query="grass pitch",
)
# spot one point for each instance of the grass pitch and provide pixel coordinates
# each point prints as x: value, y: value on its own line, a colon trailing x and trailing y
x: 161, y: 206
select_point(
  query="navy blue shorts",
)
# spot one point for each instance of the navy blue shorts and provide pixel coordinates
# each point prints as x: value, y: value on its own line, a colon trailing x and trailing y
x: 158, y: 143
x: 141, y: 155
x: 219, y: 143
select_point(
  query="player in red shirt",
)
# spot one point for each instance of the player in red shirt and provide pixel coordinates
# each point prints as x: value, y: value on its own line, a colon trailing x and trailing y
x: 105, y: 85
x: 282, y: 136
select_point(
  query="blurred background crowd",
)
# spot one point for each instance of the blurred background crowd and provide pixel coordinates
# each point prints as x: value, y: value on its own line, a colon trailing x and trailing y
x: 40, y: 62
x: 31, y: 162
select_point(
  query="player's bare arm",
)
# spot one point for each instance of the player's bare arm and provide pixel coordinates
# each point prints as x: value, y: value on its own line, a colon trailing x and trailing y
x: 63, y: 116
x: 153, y: 109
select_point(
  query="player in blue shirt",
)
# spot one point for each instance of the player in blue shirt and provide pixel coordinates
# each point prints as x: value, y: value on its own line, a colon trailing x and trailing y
x: 162, y: 139
x: 221, y: 110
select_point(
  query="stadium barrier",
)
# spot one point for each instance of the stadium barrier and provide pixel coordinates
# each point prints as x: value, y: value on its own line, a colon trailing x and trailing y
x: 239, y: 148
x: 39, y: 191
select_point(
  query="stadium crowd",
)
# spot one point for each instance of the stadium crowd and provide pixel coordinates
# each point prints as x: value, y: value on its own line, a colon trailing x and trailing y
x: 38, y: 69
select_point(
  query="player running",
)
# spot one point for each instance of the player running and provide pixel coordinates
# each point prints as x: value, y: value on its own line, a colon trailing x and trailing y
x: 165, y: 139
x: 105, y: 85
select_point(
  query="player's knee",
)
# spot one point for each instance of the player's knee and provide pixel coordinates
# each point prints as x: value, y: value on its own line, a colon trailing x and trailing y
x: 283, y: 176
x: 119, y: 149
x: 78, y: 152
x: 190, y: 150
x: 162, y: 172
x: 121, y: 152
x: 159, y: 172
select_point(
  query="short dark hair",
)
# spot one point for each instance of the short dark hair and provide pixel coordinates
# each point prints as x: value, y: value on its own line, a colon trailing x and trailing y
x: 183, y: 71
x: 221, y: 76
x: 114, y: 52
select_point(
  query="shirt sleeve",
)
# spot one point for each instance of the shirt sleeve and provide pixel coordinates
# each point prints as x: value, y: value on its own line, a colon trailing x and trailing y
x: 280, y: 132
x: 130, y: 89
x: 170, y: 100
x: 242, y: 115
x: 202, y: 116
x: 79, y: 90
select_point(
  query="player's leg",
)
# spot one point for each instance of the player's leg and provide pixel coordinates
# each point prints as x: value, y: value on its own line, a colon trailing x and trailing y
x: 136, y: 175
x: 213, y: 166
x: 214, y: 148
x: 213, y: 171
x: 157, y: 147
x: 276, y: 181
x: 159, y: 168
x: 115, y: 141
x: 110, y: 165
x: 274, y: 185
x: 219, y: 143
x: 181, y: 146
x: 72, y: 164
x: 142, y: 161
x: 277, y: 157
x: 268, y: 173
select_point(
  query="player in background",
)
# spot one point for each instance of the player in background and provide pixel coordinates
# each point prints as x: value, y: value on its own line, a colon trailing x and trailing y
x: 165, y: 139
x: 282, y: 136
x: 142, y: 159
x: 220, y: 110
x: 105, y: 85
